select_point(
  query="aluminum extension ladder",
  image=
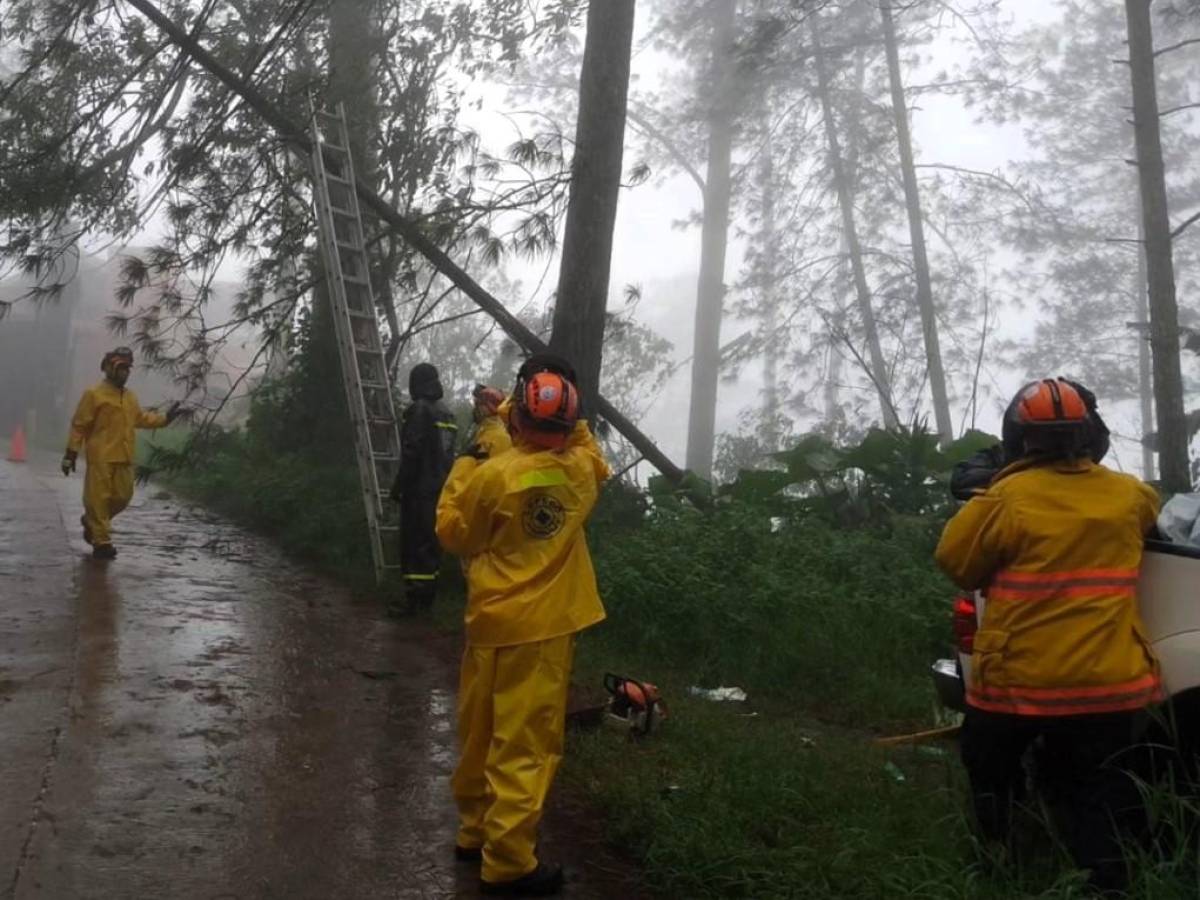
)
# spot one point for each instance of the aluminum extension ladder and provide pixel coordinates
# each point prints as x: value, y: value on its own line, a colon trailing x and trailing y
x: 360, y: 346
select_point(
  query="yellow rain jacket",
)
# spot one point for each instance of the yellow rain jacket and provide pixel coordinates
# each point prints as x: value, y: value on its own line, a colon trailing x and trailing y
x: 518, y: 519
x: 1057, y: 549
x: 105, y: 420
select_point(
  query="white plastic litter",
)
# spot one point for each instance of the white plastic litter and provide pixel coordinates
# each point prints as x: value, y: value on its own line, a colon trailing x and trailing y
x: 1179, y: 521
x: 720, y: 694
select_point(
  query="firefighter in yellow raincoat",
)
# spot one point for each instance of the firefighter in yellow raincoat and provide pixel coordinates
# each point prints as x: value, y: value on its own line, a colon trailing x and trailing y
x: 491, y: 436
x: 518, y: 519
x: 105, y: 421
x: 1061, y: 654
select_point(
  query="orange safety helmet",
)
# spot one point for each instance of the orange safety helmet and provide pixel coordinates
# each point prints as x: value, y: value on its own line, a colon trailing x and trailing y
x: 546, y: 409
x: 1049, y: 418
x: 546, y: 403
x: 1051, y: 401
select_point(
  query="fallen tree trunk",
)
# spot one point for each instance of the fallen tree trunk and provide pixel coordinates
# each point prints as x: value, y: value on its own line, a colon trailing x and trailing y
x: 410, y: 231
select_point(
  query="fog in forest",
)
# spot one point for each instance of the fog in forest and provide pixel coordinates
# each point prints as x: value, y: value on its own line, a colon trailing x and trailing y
x: 822, y: 318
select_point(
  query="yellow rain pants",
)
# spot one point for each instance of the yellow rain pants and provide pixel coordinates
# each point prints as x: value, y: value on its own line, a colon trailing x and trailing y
x: 107, y: 489
x: 511, y: 716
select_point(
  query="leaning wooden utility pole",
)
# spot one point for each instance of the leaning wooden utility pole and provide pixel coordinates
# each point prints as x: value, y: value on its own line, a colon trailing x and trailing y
x: 410, y: 231
x: 582, y: 301
x: 1156, y: 224
x: 916, y: 230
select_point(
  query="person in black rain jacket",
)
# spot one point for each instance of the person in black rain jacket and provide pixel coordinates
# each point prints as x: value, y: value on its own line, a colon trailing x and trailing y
x: 427, y: 437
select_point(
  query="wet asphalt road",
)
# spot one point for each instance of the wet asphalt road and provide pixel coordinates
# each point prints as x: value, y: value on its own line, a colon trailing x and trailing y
x: 202, y: 718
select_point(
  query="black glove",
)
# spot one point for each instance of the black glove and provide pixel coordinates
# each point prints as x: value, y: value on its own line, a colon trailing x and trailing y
x: 174, y: 412
x: 68, y: 462
x: 475, y: 452
x: 972, y: 476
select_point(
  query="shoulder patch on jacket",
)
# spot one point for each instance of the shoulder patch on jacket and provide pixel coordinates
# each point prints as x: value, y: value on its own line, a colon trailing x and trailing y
x: 543, y: 515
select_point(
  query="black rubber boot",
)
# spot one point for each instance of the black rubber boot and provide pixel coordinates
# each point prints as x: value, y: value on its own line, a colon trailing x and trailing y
x: 87, y: 531
x: 544, y: 881
x: 104, y: 551
x: 468, y: 854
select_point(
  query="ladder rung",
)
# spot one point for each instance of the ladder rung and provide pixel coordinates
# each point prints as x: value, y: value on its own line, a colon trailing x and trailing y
x: 385, y: 457
x: 360, y: 315
x: 373, y: 386
x: 367, y: 348
x: 354, y: 279
x: 349, y: 245
x: 328, y: 145
x: 338, y: 211
x: 336, y: 178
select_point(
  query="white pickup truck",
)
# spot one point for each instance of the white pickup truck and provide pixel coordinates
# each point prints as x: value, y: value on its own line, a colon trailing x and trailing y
x: 1169, y: 599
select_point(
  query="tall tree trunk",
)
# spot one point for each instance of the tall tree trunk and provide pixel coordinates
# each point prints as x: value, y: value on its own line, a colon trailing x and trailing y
x: 580, y: 308
x: 879, y: 371
x: 916, y: 230
x: 1145, y: 371
x: 710, y: 291
x: 770, y: 299
x: 853, y: 127
x: 351, y: 33
x: 1164, y: 313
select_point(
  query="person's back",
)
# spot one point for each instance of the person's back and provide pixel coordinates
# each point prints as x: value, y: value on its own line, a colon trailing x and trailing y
x: 529, y: 573
x: 1057, y: 548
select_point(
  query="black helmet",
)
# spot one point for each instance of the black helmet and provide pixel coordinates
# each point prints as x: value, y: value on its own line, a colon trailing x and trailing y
x: 424, y: 382
x: 547, y: 362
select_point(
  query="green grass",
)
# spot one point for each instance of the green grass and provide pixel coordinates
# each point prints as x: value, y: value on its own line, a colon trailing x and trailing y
x: 719, y: 802
x: 842, y: 624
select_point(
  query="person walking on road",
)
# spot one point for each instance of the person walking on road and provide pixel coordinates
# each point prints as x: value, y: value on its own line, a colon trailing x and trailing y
x: 104, y: 422
x: 427, y: 438
x: 1055, y: 542
x: 518, y: 520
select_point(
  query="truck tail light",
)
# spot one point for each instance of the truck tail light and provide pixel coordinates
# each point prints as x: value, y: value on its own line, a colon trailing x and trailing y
x: 965, y: 623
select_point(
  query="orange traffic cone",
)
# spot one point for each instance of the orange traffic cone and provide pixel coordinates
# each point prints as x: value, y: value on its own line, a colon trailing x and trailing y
x: 16, y: 452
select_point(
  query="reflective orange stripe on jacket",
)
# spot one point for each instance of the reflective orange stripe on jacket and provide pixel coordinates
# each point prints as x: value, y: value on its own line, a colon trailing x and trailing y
x: 1029, y: 701
x: 1010, y: 585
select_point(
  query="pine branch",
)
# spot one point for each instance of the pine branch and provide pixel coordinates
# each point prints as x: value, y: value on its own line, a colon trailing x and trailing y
x: 1173, y: 47
x: 1190, y: 220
